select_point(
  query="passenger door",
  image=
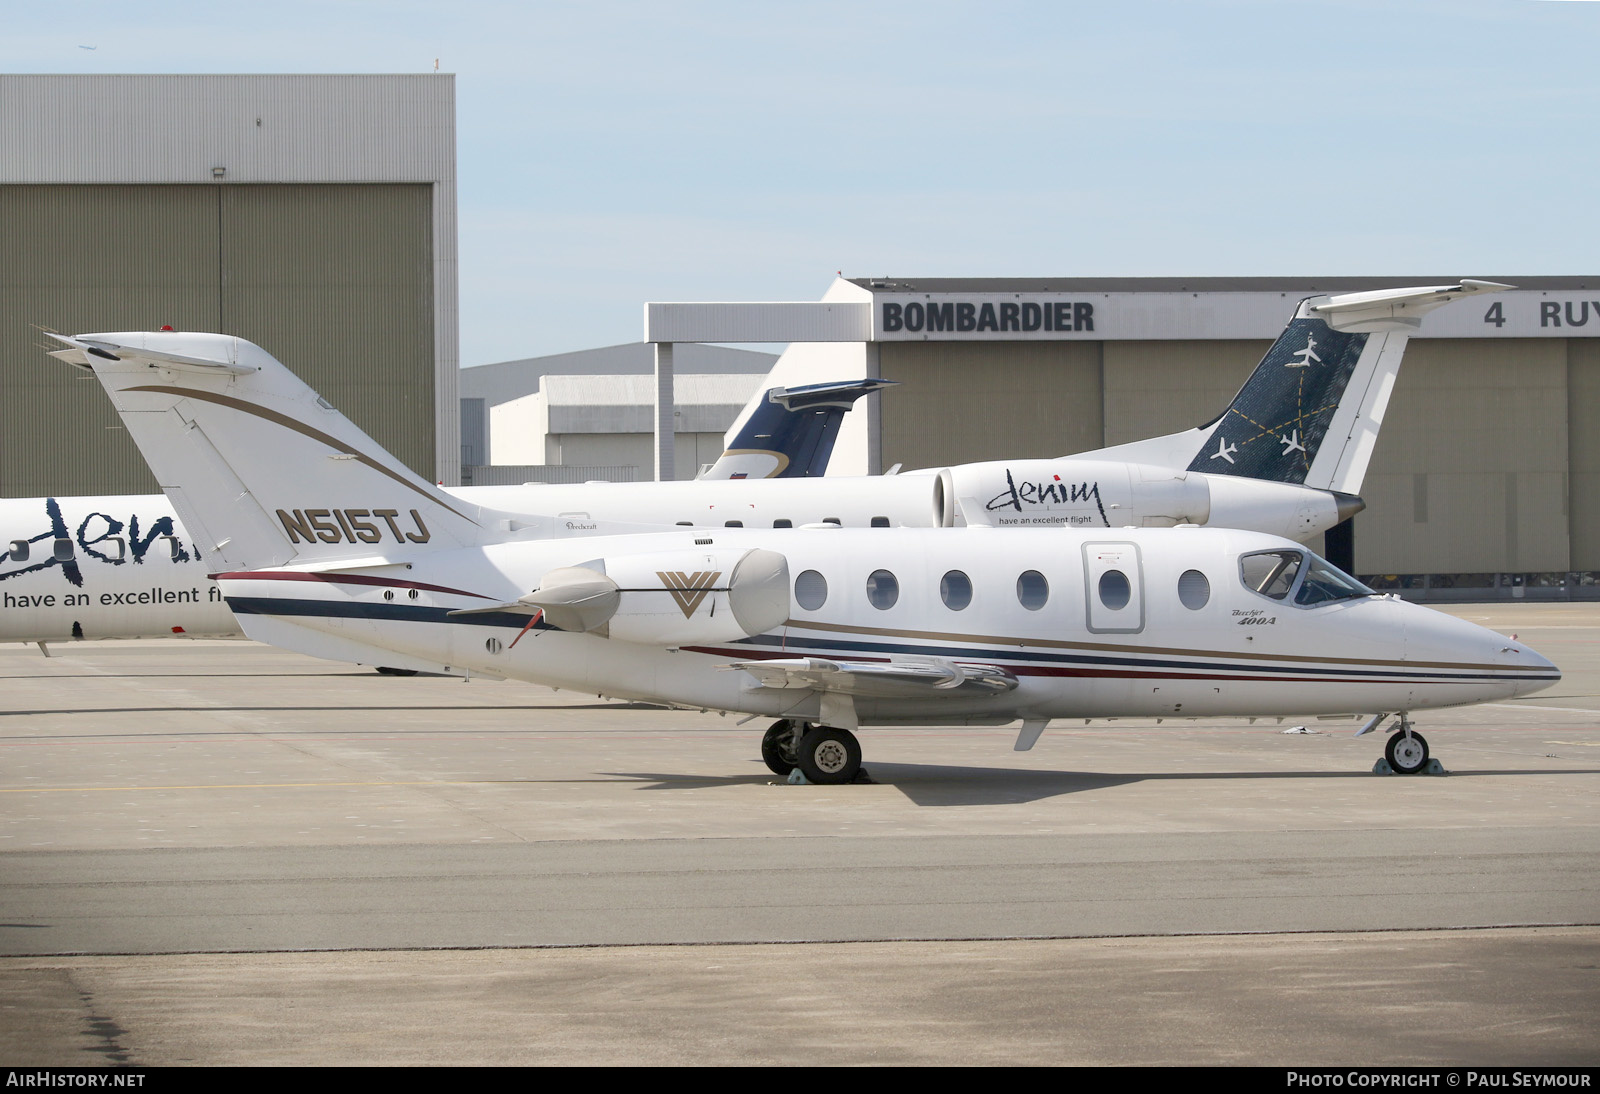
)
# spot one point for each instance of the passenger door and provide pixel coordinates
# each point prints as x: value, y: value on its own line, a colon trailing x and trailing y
x: 1113, y: 588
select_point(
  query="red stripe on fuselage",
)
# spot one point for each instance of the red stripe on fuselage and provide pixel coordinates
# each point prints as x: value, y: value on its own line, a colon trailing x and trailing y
x: 340, y: 579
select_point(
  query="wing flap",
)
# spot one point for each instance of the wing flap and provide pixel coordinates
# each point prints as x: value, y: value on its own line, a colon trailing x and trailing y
x: 904, y: 679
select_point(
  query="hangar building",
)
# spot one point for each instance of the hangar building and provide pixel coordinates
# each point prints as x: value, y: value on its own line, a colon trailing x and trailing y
x: 313, y: 215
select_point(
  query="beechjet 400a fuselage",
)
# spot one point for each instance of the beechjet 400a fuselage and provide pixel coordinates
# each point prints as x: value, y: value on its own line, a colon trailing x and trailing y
x: 823, y: 628
x: 875, y: 627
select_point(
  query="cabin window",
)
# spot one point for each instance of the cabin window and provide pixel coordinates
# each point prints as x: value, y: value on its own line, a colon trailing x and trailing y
x: 686, y: 524
x: 811, y: 590
x: 733, y: 524
x: 1271, y: 573
x: 173, y: 549
x: 1194, y: 591
x: 783, y: 522
x: 880, y: 522
x: 883, y: 589
x: 955, y: 589
x: 63, y: 550
x: 1115, y: 592
x: 19, y: 550
x: 493, y: 645
x: 1032, y: 590
x: 833, y: 520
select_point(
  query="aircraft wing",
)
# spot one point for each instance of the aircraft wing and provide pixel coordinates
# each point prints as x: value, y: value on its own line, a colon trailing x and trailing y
x: 880, y: 679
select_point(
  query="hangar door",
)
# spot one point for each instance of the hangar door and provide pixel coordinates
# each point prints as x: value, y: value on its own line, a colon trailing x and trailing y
x: 334, y: 280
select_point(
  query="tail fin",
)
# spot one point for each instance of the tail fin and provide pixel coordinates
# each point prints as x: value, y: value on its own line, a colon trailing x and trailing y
x: 261, y: 470
x: 1310, y: 413
x: 791, y: 431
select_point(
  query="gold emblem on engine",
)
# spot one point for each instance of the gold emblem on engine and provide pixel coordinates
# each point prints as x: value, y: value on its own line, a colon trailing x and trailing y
x: 689, y: 589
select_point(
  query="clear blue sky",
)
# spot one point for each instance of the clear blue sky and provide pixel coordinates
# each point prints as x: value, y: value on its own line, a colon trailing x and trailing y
x: 613, y: 153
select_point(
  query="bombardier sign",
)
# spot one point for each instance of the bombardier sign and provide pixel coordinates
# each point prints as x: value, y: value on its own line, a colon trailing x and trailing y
x: 1015, y: 316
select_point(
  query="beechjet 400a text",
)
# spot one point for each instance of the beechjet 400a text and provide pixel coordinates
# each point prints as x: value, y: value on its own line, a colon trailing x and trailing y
x: 823, y: 629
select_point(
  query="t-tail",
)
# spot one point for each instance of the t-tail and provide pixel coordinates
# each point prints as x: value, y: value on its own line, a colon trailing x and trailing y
x: 1309, y: 414
x: 260, y: 469
x: 791, y: 432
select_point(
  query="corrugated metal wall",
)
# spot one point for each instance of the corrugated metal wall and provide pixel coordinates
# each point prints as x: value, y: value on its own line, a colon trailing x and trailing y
x: 334, y: 280
x: 1583, y: 445
x: 1469, y: 473
x: 969, y: 401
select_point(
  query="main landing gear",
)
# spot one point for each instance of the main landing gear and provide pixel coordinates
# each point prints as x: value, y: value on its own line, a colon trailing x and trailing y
x: 821, y: 753
x: 1407, y: 752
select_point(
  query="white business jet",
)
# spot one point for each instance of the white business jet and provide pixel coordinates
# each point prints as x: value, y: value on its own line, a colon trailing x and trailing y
x: 85, y: 567
x: 333, y: 548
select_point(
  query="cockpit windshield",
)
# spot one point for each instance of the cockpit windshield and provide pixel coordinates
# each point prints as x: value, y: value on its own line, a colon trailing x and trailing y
x: 1271, y: 573
x: 1308, y: 579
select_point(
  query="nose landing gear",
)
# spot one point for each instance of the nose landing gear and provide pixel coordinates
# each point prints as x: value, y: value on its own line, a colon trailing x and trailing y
x: 1406, y: 751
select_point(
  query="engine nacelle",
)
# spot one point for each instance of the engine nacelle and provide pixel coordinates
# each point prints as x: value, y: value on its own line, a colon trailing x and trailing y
x: 1105, y: 494
x: 1280, y: 508
x: 669, y: 598
x: 1072, y: 493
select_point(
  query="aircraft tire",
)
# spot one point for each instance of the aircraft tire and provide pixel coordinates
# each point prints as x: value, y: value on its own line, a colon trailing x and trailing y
x: 1407, y: 755
x: 829, y: 756
x: 778, y: 748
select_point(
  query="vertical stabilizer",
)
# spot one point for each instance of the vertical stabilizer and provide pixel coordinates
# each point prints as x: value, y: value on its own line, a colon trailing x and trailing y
x: 261, y: 470
x: 791, y: 432
x: 1309, y: 414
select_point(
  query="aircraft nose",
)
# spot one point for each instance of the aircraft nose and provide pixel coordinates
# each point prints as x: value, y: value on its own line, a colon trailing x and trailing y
x: 1484, y: 663
x: 1541, y: 671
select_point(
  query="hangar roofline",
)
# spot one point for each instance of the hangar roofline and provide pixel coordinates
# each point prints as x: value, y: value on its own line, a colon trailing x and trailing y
x: 1301, y: 286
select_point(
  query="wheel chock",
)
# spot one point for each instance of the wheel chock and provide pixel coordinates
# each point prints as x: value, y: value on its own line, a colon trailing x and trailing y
x: 1432, y: 767
x: 798, y: 778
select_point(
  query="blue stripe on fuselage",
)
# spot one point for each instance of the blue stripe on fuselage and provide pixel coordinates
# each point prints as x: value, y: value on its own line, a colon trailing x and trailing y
x: 792, y: 646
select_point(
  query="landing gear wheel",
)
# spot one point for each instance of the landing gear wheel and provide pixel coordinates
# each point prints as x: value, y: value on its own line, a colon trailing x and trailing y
x: 829, y: 756
x: 1408, y: 755
x: 778, y: 747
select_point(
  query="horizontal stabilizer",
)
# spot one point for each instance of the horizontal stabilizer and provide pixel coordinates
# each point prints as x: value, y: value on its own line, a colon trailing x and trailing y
x: 1396, y: 309
x: 233, y: 354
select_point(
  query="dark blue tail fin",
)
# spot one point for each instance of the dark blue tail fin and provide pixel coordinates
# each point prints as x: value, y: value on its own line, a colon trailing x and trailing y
x: 1310, y: 413
x: 791, y: 432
